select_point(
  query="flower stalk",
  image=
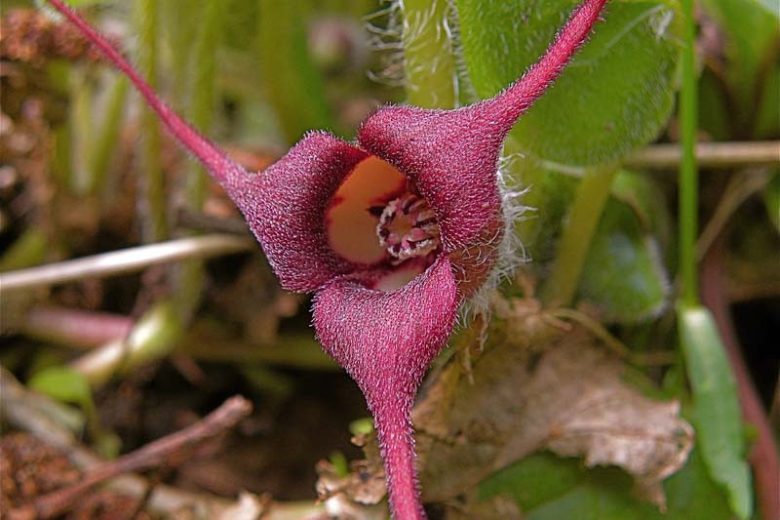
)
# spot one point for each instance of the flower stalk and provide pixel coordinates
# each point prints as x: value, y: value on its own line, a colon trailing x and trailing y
x: 191, y: 277
x: 689, y: 200
x: 591, y: 197
x: 108, y: 136
x: 152, y: 181
x: 430, y: 75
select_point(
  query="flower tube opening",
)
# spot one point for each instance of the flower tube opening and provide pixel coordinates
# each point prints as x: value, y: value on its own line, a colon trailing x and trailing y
x: 379, y: 223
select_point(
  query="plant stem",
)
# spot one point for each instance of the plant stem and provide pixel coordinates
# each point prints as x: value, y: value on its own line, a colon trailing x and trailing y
x: 201, y: 110
x: 592, y: 195
x: 152, y: 337
x: 81, y: 122
x: 153, y: 200
x: 293, y: 84
x: 106, y: 139
x: 124, y: 261
x: 688, y: 202
x: 190, y: 278
x: 429, y: 62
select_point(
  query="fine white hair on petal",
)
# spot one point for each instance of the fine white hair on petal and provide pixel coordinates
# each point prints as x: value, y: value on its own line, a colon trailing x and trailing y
x: 511, y: 252
x: 389, y: 33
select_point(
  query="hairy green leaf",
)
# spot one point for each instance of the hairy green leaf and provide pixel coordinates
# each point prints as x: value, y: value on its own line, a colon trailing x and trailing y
x: 624, y: 275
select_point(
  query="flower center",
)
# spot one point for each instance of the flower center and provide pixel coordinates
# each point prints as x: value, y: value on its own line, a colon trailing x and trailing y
x: 379, y: 223
x: 408, y: 228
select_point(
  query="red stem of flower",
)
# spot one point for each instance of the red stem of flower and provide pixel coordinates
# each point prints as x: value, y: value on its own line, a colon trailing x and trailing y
x: 396, y: 440
x: 221, y: 167
x: 516, y: 99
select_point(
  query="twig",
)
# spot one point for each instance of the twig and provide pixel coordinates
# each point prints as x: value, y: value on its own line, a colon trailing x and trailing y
x: 151, y: 455
x: 709, y: 155
x: 123, y: 261
x: 592, y: 194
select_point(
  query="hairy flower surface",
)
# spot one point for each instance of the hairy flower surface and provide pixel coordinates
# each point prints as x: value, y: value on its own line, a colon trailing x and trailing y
x: 391, y: 233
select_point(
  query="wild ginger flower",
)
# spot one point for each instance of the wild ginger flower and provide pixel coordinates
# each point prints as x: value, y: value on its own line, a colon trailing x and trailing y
x: 391, y: 233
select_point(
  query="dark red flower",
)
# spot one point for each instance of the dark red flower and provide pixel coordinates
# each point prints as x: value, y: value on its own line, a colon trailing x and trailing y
x: 391, y: 233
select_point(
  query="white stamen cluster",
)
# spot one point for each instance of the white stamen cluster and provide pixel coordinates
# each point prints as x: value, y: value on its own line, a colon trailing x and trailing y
x: 408, y: 228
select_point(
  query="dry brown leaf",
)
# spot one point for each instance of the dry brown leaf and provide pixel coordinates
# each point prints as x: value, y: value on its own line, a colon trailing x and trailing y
x: 565, y: 394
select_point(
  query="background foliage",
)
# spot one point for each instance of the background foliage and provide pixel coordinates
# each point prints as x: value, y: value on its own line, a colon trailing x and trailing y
x: 598, y: 230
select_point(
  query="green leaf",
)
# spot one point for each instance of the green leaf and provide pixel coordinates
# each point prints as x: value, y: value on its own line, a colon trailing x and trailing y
x: 70, y: 386
x: 550, y: 488
x: 152, y: 337
x: 623, y: 274
x: 534, y: 481
x: 63, y: 384
x: 716, y: 412
x: 767, y: 124
x: 28, y: 250
x: 616, y: 94
x: 294, y: 86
